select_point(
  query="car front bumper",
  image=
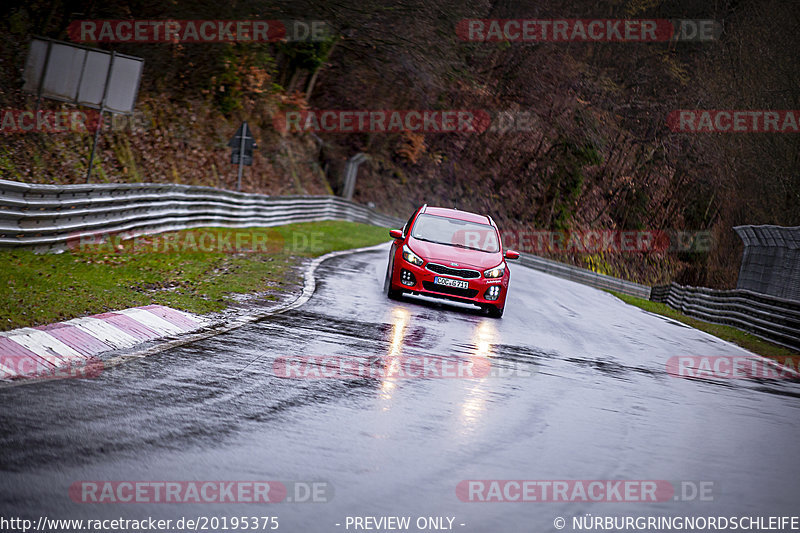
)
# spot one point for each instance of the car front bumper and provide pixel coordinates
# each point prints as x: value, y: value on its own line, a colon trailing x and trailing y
x: 419, y: 280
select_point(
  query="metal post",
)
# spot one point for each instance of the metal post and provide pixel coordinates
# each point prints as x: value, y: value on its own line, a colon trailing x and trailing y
x: 42, y: 77
x: 94, y: 146
x: 350, y: 174
x: 100, y: 124
x: 241, y: 156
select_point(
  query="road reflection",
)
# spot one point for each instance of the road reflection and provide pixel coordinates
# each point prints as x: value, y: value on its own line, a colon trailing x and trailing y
x: 400, y: 318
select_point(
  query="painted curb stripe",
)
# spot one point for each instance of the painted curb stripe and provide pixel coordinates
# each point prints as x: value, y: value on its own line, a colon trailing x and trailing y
x: 129, y: 326
x: 108, y: 333
x: 15, y: 358
x: 153, y: 322
x: 77, y: 339
x: 183, y: 320
x: 45, y: 346
x: 32, y: 351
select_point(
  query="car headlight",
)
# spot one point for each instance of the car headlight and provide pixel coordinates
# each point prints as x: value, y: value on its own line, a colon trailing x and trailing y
x: 496, y: 272
x: 411, y: 257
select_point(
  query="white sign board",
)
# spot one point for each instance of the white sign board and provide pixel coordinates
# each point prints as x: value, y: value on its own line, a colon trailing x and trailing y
x: 83, y: 75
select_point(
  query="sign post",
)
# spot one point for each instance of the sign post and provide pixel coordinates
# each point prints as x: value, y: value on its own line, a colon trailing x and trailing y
x: 242, y: 143
x: 100, y: 120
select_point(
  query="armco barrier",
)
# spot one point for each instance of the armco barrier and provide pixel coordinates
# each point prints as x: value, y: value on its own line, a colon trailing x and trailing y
x: 44, y: 217
x: 775, y: 319
x: 586, y: 277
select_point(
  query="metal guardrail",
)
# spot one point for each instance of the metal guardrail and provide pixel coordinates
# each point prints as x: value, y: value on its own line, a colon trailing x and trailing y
x: 46, y: 217
x: 586, y: 277
x: 772, y: 318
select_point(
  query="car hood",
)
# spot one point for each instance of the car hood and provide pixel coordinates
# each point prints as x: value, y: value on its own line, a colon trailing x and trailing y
x: 446, y: 254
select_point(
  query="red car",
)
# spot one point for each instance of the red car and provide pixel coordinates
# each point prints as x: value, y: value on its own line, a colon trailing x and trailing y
x: 447, y: 253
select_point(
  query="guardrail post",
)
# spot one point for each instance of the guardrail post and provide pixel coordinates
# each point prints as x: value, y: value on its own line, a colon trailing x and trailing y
x: 350, y: 173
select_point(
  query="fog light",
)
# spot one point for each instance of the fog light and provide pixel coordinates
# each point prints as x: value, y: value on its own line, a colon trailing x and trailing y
x: 407, y: 278
x: 493, y: 293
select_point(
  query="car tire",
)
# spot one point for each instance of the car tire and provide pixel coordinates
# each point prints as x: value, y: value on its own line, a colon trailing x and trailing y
x: 393, y: 294
x: 494, y: 312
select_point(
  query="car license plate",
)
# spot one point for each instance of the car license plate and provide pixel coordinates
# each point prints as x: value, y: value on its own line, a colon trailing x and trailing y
x: 457, y: 283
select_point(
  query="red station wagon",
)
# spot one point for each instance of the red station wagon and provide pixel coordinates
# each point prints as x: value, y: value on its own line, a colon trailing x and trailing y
x: 452, y: 254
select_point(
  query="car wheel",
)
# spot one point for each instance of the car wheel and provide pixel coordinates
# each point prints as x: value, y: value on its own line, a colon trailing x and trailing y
x: 393, y: 294
x: 494, y: 312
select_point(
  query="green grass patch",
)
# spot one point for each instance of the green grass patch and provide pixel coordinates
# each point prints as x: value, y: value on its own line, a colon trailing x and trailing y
x: 728, y: 333
x: 195, y: 270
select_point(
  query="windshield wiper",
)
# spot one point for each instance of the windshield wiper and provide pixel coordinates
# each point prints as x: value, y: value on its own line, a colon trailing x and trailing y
x: 429, y: 240
x: 471, y: 248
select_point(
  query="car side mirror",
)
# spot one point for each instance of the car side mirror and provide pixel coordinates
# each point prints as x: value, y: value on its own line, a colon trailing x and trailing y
x: 512, y: 254
x: 396, y: 234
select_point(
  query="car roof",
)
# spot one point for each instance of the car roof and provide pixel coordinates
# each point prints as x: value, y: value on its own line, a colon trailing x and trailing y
x: 457, y: 214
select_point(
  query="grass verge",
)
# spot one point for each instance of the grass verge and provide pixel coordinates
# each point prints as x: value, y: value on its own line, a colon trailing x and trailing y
x: 728, y: 333
x: 195, y: 270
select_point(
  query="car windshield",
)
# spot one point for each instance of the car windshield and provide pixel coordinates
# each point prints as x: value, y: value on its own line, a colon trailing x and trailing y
x: 453, y: 232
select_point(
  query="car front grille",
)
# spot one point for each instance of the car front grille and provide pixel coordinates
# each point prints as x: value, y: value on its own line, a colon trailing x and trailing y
x: 464, y: 273
x: 455, y: 291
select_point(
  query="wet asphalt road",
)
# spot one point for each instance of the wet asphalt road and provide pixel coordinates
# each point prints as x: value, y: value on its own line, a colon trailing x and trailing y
x: 597, y: 404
